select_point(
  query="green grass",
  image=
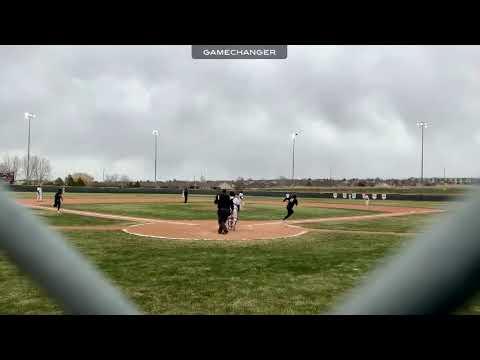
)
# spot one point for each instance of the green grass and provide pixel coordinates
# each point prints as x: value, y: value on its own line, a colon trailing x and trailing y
x: 305, y: 275
x: 378, y: 202
x: 403, y: 224
x: 397, y: 203
x: 302, y: 276
x: 64, y: 219
x: 19, y: 296
x: 197, y: 211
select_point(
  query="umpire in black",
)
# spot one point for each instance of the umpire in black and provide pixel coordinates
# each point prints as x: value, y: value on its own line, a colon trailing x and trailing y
x: 224, y: 205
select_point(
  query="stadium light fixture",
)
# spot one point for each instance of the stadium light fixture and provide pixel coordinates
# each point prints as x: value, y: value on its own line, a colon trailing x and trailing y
x: 29, y: 117
x: 294, y: 136
x: 155, y: 134
x: 423, y: 125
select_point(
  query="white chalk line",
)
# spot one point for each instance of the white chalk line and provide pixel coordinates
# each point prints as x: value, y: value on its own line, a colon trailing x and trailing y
x: 209, y: 239
x: 147, y: 221
x: 114, y: 217
x: 366, y: 217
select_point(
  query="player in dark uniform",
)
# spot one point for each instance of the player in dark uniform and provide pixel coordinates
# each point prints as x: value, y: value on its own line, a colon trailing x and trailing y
x: 185, y: 195
x: 224, y: 205
x: 292, y: 201
x: 58, y: 199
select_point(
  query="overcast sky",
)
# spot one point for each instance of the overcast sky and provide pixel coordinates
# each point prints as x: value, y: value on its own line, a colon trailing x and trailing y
x: 357, y: 106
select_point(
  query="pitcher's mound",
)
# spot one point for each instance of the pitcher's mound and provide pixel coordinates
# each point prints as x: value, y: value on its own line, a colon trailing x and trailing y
x: 208, y: 230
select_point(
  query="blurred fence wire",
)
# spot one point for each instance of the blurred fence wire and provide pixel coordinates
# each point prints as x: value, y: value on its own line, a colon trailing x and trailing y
x: 66, y: 275
x: 436, y: 274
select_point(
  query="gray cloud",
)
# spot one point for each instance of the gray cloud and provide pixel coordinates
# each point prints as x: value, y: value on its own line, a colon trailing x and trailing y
x: 357, y: 107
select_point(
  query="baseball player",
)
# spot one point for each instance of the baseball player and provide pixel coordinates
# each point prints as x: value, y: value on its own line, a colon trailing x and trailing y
x: 235, y: 208
x: 58, y: 200
x: 224, y: 205
x: 241, y: 195
x: 236, y: 203
x: 185, y: 195
x: 39, y: 193
x: 292, y: 201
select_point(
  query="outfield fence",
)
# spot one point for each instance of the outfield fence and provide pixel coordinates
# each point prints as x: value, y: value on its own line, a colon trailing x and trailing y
x: 265, y: 193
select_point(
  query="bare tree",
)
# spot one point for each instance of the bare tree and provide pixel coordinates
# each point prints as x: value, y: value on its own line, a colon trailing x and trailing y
x: 39, y: 168
x: 87, y: 179
x: 5, y: 164
x: 10, y: 164
x: 44, y: 170
x: 111, y: 178
x: 34, y: 167
x: 239, y: 183
x: 24, y: 167
x: 16, y: 165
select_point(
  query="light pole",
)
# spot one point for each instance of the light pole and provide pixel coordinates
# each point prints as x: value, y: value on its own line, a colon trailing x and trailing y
x: 155, y: 134
x: 294, y: 135
x: 29, y: 117
x: 422, y: 125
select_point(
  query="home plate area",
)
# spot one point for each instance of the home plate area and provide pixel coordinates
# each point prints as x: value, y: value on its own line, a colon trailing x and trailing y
x: 208, y: 230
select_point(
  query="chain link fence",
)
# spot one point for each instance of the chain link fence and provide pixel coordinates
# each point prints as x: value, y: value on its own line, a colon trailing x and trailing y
x: 55, y: 266
x: 435, y: 275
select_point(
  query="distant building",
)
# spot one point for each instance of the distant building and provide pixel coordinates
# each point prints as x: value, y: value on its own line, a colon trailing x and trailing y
x: 225, y: 185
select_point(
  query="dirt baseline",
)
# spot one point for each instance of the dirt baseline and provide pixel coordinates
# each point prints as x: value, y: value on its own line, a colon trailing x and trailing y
x: 207, y: 230
x: 246, y: 230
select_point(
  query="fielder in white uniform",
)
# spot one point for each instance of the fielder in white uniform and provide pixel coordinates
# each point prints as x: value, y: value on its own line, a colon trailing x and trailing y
x: 242, y: 199
x: 39, y: 194
x: 236, y: 207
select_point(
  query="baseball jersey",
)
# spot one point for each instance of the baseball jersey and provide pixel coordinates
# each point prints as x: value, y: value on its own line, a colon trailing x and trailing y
x: 236, y: 202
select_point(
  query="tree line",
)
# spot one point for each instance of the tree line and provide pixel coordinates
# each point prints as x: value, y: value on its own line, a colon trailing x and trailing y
x: 83, y: 179
x: 38, y: 168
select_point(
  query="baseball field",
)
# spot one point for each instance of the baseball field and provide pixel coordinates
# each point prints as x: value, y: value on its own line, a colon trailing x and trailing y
x: 168, y: 257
